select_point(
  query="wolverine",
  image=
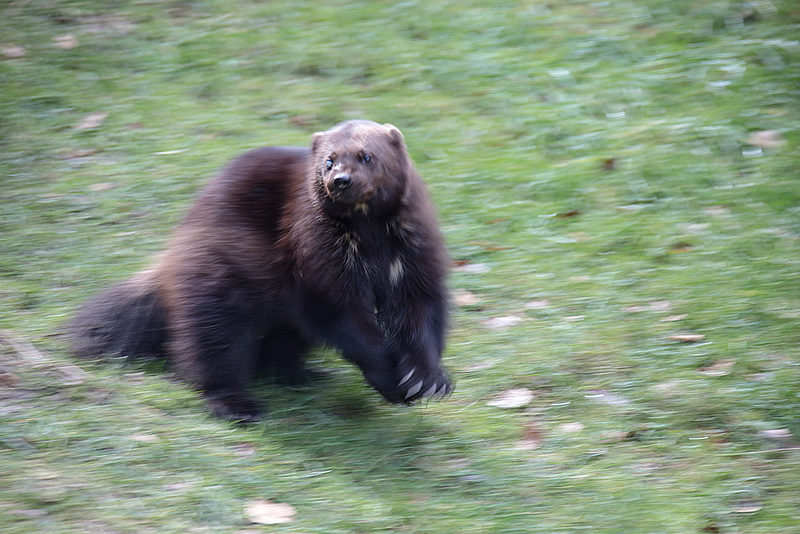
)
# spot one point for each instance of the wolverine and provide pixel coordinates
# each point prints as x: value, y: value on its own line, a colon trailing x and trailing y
x: 286, y: 249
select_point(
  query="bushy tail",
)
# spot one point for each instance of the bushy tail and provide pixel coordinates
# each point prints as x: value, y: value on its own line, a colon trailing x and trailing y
x: 124, y: 320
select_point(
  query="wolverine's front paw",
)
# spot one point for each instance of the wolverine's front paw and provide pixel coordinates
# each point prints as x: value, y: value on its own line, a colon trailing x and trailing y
x: 233, y: 406
x: 416, y: 383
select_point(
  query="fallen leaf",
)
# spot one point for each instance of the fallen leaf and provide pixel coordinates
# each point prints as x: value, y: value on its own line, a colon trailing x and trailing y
x: 144, y: 438
x: 609, y: 164
x: 269, y: 513
x: 92, y: 120
x: 579, y: 237
x: 79, y: 153
x: 716, y: 211
x: 634, y: 309
x: 534, y: 436
x: 574, y: 318
x: 695, y: 228
x: 65, y: 42
x: 765, y: 139
x: 656, y: 305
x: 687, y: 338
x: 570, y: 428
x: 462, y: 297
x: 660, y: 305
x: 501, y: 323
x: 102, y: 186
x: 673, y: 318
x: 12, y: 52
x: 680, y: 247
x: 244, y: 450
x: 568, y: 214
x: 9, y: 379
x: 110, y: 24
x: 748, y: 507
x: 720, y: 368
x: 472, y: 268
x: 177, y: 486
x: 513, y: 398
x: 537, y: 304
x: 303, y: 121
x: 776, y: 434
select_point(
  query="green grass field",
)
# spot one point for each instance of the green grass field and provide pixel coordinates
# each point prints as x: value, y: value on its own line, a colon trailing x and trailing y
x: 619, y: 186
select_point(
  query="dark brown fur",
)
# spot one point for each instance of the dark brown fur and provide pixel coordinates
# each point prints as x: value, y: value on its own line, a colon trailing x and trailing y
x: 283, y: 251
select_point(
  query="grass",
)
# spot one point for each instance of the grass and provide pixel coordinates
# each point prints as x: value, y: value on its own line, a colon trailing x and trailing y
x: 603, y: 185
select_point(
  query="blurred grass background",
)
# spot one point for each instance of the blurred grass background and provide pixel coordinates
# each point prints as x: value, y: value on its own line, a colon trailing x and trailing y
x: 619, y: 186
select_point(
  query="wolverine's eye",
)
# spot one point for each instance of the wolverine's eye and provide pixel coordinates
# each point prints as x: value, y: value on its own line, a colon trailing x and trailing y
x: 366, y: 158
x: 329, y: 164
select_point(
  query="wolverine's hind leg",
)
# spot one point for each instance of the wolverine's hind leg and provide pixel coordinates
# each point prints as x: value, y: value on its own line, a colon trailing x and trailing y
x: 215, y: 346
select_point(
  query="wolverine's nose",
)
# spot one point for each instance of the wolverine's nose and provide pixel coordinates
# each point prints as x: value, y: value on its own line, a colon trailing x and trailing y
x: 342, y: 181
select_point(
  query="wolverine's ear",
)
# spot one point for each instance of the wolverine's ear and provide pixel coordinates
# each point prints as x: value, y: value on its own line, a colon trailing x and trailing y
x: 395, y: 134
x: 316, y: 141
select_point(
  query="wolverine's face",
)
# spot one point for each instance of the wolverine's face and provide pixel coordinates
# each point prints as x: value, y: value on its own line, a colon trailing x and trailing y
x: 360, y: 165
x: 347, y: 178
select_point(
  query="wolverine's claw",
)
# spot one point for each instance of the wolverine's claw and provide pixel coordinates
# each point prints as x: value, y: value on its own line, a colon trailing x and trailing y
x: 413, y: 390
x: 405, y: 378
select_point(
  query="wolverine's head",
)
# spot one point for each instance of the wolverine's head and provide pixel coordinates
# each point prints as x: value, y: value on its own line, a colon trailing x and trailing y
x: 360, y: 166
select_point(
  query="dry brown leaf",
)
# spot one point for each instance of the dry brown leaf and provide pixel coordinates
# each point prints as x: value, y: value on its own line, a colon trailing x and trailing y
x: 570, y: 428
x: 244, y: 450
x: 513, y: 398
x: 12, y: 52
x: 765, y: 139
x: 776, y: 434
x: 687, y: 338
x: 534, y: 436
x: 109, y: 24
x: 79, y: 153
x: 269, y: 513
x: 716, y: 211
x: 680, y: 247
x: 462, y: 297
x: 9, y: 379
x: 720, y: 368
x: 579, y: 237
x: 537, y: 304
x: 65, y: 42
x: 501, y: 323
x: 102, y: 186
x: 92, y: 120
x: 634, y: 309
x: 748, y: 507
x: 177, y: 486
x: 568, y: 214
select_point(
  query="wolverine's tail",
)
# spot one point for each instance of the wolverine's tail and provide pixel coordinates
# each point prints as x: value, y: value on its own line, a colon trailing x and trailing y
x: 124, y: 320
